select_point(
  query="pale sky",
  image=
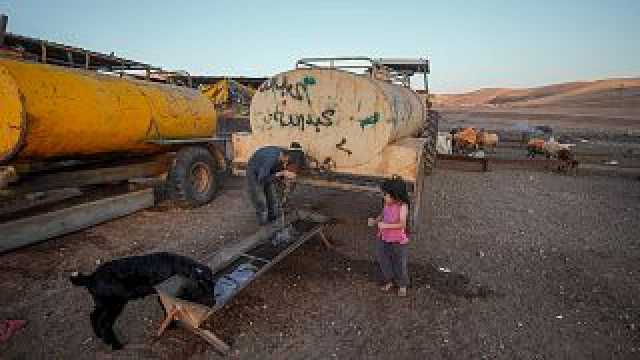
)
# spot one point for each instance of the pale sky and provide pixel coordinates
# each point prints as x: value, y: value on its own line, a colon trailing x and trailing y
x: 471, y: 44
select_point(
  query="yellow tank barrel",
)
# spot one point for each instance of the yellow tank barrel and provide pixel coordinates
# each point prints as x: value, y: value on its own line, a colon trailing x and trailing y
x: 49, y: 112
x: 334, y: 114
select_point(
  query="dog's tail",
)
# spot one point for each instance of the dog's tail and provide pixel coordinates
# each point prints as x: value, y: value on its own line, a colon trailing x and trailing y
x: 78, y: 279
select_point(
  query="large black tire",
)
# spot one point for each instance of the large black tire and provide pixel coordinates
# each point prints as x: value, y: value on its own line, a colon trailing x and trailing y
x: 193, y: 179
x: 431, y: 134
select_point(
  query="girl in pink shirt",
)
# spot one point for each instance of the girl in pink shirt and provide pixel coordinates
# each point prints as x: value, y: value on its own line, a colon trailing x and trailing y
x: 391, y: 245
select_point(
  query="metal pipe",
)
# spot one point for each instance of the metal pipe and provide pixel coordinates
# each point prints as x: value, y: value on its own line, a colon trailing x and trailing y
x: 426, y: 83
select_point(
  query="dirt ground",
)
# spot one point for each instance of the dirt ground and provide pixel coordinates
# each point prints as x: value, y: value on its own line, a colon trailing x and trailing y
x: 510, y: 265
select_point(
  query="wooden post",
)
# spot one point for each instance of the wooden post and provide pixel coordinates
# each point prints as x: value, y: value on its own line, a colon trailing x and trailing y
x: 87, y: 60
x: 43, y: 47
x: 170, y: 317
x: 4, y: 20
x: 70, y: 58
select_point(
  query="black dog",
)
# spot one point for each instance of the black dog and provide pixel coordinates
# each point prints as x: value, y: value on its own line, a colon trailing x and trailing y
x: 118, y: 281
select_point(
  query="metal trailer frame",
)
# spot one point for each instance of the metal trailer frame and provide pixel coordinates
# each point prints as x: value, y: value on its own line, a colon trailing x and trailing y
x: 49, y: 52
x: 401, y: 69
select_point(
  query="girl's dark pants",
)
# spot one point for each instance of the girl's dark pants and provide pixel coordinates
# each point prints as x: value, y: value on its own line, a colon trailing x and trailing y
x: 392, y: 258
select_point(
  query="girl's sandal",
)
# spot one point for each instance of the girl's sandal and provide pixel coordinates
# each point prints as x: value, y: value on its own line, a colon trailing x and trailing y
x: 402, y: 292
x: 386, y: 287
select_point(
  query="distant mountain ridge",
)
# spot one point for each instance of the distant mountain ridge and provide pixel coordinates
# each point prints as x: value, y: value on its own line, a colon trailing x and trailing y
x: 608, y: 93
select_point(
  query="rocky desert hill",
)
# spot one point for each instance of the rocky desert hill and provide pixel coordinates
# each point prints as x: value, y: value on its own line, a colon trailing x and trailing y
x: 608, y: 93
x: 601, y: 105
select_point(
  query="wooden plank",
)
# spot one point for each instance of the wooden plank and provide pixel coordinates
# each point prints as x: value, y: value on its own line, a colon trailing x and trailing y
x: 49, y: 197
x: 448, y: 161
x: 96, y: 176
x: 38, y: 228
x: 531, y: 164
x: 544, y: 164
x: 213, y: 340
x: 460, y: 158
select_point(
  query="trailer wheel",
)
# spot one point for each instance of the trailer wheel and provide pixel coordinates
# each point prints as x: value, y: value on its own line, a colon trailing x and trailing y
x: 426, y: 164
x: 428, y: 156
x: 193, y: 180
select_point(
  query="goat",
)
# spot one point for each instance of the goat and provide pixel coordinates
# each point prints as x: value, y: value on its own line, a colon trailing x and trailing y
x: 569, y: 162
x: 465, y: 139
x: 487, y: 140
x: 552, y: 147
x: 116, y: 282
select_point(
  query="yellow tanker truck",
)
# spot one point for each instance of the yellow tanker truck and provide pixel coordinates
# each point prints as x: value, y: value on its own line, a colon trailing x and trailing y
x: 51, y: 113
x: 71, y: 119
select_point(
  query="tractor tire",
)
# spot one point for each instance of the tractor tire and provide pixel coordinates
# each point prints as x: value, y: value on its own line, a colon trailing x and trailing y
x: 193, y: 179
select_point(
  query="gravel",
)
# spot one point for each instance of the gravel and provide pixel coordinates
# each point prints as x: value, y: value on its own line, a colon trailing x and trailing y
x: 535, y: 265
